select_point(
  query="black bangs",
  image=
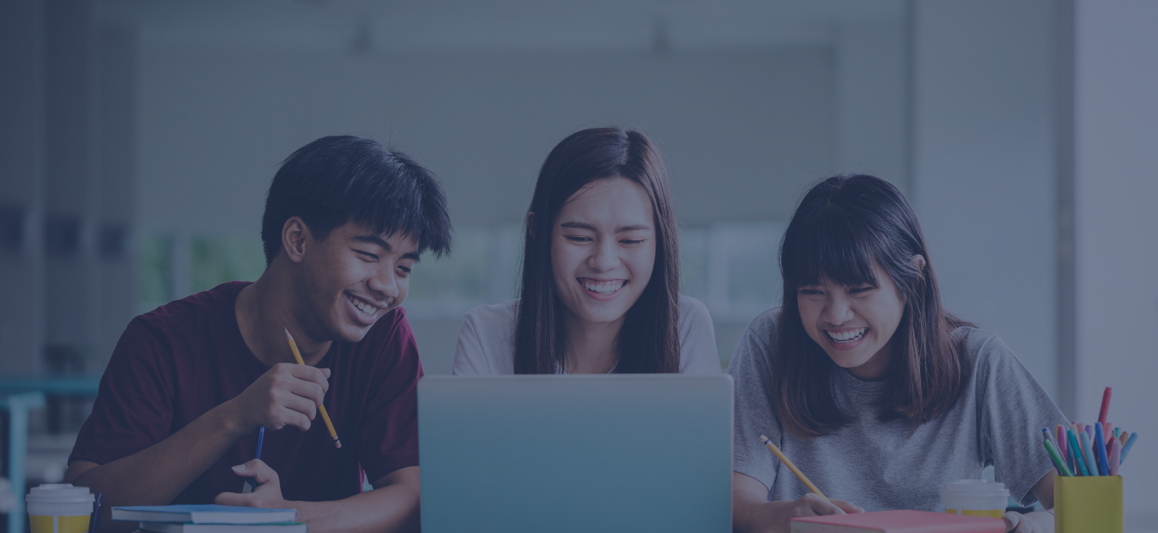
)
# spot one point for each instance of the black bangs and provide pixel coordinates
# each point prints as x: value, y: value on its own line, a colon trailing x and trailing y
x: 336, y: 180
x: 411, y: 205
x: 825, y: 243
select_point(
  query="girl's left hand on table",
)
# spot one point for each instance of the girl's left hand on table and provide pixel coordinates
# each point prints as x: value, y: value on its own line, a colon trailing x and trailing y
x: 1036, y: 522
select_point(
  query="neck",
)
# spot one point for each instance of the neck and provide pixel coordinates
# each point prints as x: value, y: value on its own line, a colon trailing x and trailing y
x: 877, y: 367
x: 592, y: 348
x: 265, y: 308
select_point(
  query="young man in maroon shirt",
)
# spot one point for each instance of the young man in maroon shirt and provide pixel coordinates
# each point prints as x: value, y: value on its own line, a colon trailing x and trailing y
x: 190, y: 383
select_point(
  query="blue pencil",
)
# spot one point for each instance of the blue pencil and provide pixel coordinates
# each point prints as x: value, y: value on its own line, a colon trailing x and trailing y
x: 96, y: 513
x: 252, y: 482
x: 1077, y: 451
x: 1103, y: 461
x: 1129, y: 444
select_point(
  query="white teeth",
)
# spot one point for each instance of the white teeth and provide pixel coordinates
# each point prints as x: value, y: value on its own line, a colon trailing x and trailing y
x: 364, y: 307
x: 847, y: 336
x: 603, y: 287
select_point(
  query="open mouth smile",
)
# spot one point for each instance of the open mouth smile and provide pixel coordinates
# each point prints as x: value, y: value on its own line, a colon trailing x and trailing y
x: 603, y: 288
x: 847, y: 336
x: 366, y: 311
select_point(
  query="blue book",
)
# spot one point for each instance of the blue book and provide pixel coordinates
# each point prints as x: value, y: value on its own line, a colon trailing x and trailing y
x: 204, y: 514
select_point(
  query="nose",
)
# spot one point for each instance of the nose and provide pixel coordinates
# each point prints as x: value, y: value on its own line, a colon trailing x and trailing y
x: 384, y: 284
x: 837, y: 310
x: 605, y: 256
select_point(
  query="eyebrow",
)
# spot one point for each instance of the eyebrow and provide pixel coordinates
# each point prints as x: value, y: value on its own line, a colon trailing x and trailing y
x: 580, y: 225
x: 379, y: 241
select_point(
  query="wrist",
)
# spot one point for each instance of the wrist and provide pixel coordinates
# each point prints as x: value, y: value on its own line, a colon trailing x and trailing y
x: 309, y: 512
x: 227, y: 417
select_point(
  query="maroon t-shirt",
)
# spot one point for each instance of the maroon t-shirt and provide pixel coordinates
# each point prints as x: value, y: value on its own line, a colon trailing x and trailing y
x: 184, y: 358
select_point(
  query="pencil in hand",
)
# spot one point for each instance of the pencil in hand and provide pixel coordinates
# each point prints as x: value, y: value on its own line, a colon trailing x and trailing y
x: 321, y: 408
x: 800, y: 475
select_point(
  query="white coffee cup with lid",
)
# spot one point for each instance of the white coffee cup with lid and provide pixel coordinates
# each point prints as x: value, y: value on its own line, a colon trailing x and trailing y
x: 975, y: 497
x: 59, y: 508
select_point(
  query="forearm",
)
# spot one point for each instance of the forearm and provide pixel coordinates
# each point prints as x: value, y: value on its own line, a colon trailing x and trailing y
x: 158, y: 474
x: 393, y: 508
x: 756, y: 516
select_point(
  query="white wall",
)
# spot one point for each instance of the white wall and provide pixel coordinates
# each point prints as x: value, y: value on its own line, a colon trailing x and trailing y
x: 743, y: 131
x: 984, y: 181
x: 214, y: 124
x: 1117, y: 248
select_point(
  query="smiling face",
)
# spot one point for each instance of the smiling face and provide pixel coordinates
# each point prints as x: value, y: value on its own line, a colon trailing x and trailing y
x: 603, y: 250
x: 854, y: 325
x: 352, y: 278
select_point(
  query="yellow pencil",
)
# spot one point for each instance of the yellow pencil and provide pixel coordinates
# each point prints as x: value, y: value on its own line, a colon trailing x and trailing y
x: 321, y: 408
x: 803, y: 479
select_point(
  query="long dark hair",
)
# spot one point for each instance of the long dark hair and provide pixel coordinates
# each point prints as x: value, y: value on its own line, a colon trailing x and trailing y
x: 649, y: 339
x: 844, y: 226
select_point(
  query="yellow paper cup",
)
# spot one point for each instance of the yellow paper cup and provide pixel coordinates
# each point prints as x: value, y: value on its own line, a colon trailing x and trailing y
x: 1090, y: 504
x: 59, y: 508
x: 975, y: 497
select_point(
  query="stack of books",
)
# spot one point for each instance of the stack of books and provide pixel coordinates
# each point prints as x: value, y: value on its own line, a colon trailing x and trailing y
x: 211, y: 519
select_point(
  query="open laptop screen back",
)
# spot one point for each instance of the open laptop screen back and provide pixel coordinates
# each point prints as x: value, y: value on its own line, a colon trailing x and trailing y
x: 604, y: 453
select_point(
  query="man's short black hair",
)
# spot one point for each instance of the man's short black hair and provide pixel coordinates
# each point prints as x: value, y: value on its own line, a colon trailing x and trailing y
x: 340, y: 179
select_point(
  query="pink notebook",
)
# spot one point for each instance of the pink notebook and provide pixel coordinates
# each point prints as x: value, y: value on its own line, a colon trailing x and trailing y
x: 897, y: 522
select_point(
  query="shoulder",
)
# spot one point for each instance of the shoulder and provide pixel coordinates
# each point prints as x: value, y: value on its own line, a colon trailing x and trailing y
x: 192, y: 314
x: 763, y: 327
x: 982, y: 348
x: 205, y: 303
x: 693, y: 313
x: 492, y: 315
x: 486, y: 341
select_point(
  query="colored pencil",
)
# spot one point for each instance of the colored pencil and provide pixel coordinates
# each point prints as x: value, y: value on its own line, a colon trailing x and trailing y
x: 251, y: 483
x: 1077, y: 452
x: 1057, y: 460
x: 1088, y: 453
x: 800, y: 475
x: 1105, y: 406
x: 1115, y: 456
x: 1129, y: 444
x: 321, y: 408
x: 1062, y: 444
x: 1049, y: 439
x: 1102, y: 458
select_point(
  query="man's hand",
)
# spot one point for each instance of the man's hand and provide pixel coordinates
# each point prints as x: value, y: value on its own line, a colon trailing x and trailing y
x: 1039, y: 522
x: 268, y: 491
x: 287, y: 394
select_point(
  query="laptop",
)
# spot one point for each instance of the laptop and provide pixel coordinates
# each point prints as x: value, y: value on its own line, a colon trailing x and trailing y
x: 576, y: 453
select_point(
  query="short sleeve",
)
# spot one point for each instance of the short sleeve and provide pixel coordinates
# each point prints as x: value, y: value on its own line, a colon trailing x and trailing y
x: 750, y: 369
x: 469, y: 356
x: 698, y: 352
x: 390, y: 437
x: 135, y: 399
x: 1013, y: 410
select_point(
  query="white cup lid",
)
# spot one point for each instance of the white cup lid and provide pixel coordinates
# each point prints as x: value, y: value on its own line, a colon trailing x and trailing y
x: 976, y: 487
x: 59, y: 493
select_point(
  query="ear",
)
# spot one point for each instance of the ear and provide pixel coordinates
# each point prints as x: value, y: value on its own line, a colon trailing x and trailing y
x: 530, y: 223
x: 294, y: 234
x: 918, y: 262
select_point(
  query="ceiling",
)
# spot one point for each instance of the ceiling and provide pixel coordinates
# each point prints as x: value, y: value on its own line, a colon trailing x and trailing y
x: 407, y: 26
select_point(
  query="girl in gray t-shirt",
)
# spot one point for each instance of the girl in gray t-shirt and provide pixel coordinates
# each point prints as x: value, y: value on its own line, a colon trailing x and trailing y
x: 879, y: 395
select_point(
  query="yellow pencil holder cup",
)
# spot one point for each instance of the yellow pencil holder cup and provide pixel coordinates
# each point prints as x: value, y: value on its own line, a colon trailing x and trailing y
x: 1088, y: 504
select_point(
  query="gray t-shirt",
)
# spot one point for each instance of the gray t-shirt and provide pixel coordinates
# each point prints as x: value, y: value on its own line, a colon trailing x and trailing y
x: 880, y: 466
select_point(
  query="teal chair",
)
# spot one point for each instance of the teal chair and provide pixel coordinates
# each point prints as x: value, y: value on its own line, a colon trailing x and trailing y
x: 19, y: 396
x: 18, y: 406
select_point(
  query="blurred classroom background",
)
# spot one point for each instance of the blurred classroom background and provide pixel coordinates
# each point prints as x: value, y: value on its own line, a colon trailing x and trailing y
x: 137, y: 139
